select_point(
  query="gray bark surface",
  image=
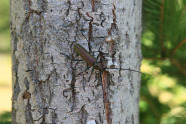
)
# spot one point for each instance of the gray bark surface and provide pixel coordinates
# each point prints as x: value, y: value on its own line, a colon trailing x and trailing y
x: 45, y: 82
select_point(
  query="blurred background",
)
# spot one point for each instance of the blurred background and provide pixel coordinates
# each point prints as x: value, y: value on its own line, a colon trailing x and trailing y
x: 163, y: 93
x: 5, y: 64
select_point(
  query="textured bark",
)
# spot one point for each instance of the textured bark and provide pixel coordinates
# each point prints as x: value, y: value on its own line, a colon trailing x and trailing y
x: 46, y: 85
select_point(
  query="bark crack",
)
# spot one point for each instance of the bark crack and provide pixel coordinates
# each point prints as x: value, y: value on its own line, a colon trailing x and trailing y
x: 105, y: 81
x: 83, y: 115
x: 28, y: 113
x: 69, y: 7
x: 90, y: 31
x: 72, y: 85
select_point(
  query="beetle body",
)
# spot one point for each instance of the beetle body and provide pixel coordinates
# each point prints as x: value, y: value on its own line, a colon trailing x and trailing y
x: 92, y: 61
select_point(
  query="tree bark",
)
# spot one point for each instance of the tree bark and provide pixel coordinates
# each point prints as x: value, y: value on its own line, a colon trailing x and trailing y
x: 47, y: 86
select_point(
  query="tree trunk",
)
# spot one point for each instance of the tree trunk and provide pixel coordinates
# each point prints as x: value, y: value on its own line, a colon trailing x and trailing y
x: 48, y: 86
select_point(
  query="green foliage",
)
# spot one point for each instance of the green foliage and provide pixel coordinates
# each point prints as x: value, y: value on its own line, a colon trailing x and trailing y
x: 163, y: 45
x: 5, y: 118
x: 4, y: 27
x: 166, y: 22
x: 4, y: 15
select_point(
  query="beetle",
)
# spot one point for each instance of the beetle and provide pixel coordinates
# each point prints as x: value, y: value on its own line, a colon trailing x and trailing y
x: 92, y: 61
x: 89, y: 59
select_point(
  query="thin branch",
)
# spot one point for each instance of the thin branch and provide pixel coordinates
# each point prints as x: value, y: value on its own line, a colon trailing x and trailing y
x: 161, y: 37
x: 178, y: 46
x: 177, y: 64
